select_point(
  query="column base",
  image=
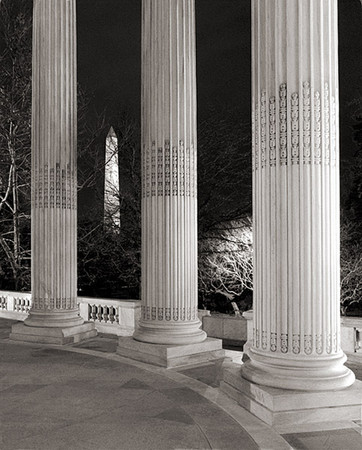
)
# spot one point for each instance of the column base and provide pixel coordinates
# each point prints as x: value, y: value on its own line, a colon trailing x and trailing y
x: 57, y: 319
x: 170, y: 333
x: 171, y: 355
x: 52, y: 335
x: 306, y: 373
x: 282, y: 408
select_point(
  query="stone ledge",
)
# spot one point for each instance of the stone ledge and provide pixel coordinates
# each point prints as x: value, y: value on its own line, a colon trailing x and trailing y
x: 52, y: 335
x: 171, y: 355
x: 231, y: 329
x: 282, y: 407
x: 354, y: 358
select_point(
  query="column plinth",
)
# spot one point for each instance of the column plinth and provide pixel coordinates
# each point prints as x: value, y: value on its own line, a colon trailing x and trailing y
x: 54, y: 179
x: 296, y: 342
x: 172, y: 333
x: 169, y: 193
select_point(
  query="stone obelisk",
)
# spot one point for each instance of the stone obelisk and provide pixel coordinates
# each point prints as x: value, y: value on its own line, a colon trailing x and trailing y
x: 111, y: 182
x: 54, y: 315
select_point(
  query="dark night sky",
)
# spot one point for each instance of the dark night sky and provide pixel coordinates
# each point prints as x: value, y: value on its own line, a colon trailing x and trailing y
x: 109, y: 50
x: 109, y: 55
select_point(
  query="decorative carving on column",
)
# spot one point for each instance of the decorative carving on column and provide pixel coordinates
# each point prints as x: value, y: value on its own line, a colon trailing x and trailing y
x: 299, y: 114
x: 283, y: 129
x: 306, y: 123
x: 296, y: 197
x: 169, y: 203
x: 54, y: 187
x: 181, y: 176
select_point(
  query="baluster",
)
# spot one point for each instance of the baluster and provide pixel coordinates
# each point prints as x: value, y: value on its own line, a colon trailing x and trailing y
x: 94, y: 312
x: 105, y: 314
x: 100, y: 313
x: 111, y: 314
x: 358, y: 340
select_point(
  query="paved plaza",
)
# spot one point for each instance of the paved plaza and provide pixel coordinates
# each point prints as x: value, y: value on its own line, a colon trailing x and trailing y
x: 86, y: 397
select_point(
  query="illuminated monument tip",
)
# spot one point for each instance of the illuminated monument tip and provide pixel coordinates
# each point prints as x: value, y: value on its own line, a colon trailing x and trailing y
x: 111, y: 132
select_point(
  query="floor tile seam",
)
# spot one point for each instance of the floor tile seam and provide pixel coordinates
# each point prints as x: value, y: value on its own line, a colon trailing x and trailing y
x: 202, y: 432
x: 357, y: 430
x: 204, y: 390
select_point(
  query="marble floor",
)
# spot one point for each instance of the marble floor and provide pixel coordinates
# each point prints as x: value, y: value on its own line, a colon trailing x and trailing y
x: 87, y: 397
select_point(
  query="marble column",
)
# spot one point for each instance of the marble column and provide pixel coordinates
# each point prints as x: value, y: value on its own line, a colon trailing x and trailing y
x: 169, y: 192
x: 54, y: 178
x: 296, y: 342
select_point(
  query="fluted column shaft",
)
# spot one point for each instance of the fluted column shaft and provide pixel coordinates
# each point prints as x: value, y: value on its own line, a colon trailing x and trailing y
x: 296, y: 196
x: 169, y: 203
x: 54, y: 158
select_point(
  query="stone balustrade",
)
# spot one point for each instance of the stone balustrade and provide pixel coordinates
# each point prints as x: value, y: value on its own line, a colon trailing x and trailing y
x: 15, y: 305
x: 110, y: 316
x: 119, y: 317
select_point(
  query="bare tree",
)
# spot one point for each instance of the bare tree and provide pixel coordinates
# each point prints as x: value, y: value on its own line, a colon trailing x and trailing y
x: 351, y: 265
x: 225, y: 261
x: 224, y: 197
x: 15, y: 106
x: 351, y: 221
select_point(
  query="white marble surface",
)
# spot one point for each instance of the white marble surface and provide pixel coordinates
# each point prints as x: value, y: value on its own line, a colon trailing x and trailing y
x: 170, y: 355
x: 53, y: 335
